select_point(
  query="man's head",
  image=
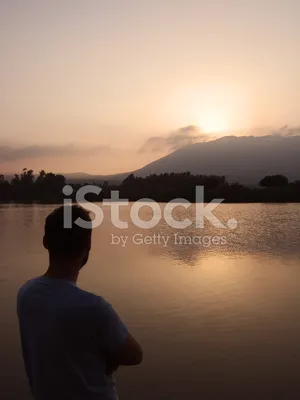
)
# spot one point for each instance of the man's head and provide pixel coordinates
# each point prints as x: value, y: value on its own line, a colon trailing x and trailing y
x: 68, y: 244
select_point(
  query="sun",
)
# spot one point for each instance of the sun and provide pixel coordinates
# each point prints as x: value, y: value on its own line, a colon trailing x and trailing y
x: 213, y: 121
x: 216, y: 108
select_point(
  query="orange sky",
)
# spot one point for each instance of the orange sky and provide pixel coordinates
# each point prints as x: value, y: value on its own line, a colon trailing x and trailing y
x: 85, y: 84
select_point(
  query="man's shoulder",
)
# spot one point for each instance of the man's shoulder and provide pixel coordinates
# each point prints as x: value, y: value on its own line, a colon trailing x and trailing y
x: 93, y: 300
x: 27, y: 286
x: 42, y: 283
x: 87, y: 306
x: 64, y: 295
x: 25, y: 292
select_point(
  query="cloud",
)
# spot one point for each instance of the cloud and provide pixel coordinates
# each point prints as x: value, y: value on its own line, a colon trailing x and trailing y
x: 283, y: 131
x: 8, y: 153
x: 175, y: 140
x: 287, y: 131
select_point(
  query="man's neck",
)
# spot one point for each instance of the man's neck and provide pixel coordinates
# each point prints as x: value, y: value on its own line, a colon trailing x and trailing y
x: 64, y: 271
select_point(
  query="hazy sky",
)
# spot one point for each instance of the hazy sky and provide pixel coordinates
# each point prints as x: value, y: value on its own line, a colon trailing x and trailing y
x: 86, y: 85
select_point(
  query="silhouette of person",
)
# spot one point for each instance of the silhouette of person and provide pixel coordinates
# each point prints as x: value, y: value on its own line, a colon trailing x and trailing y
x: 72, y: 340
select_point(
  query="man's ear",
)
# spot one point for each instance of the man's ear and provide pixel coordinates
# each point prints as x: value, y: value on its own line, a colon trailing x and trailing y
x: 45, y: 242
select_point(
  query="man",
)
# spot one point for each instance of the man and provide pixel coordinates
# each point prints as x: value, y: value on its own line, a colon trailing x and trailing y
x: 72, y: 340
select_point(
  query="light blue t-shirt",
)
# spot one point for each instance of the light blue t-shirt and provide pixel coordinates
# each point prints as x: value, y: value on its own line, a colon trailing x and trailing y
x: 65, y: 334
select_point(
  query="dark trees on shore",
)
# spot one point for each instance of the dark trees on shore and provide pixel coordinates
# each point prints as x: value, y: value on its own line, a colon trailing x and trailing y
x: 274, y: 181
x: 47, y: 188
x: 24, y: 188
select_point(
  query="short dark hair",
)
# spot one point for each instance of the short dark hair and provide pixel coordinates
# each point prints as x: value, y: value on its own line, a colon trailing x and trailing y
x: 67, y: 242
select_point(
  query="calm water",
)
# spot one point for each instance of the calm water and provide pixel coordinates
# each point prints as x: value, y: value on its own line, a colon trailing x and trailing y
x: 216, y: 322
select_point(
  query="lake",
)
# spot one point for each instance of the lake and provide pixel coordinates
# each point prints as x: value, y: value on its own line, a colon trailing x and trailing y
x: 217, y: 319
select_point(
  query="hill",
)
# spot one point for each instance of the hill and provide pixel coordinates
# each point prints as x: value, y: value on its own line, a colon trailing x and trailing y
x: 81, y: 178
x: 246, y: 159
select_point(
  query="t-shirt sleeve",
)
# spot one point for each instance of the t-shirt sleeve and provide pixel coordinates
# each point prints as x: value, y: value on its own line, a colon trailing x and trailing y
x: 112, y: 332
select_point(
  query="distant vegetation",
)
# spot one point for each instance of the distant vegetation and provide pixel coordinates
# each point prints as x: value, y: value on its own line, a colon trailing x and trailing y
x: 274, y: 181
x: 25, y: 188
x: 47, y: 188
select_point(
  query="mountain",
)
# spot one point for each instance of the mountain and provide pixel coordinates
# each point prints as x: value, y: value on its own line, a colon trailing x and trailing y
x: 246, y: 159
x: 81, y: 177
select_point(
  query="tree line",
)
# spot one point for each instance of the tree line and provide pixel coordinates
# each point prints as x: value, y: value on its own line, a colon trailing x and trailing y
x: 47, y: 188
x: 25, y: 188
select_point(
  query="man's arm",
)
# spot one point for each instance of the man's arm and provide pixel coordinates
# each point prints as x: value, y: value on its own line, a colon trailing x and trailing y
x: 119, y: 346
x: 130, y: 353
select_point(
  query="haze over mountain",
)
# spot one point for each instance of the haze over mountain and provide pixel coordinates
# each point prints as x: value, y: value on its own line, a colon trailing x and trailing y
x: 81, y: 177
x: 245, y: 159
